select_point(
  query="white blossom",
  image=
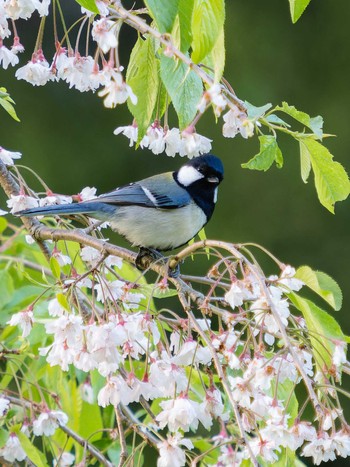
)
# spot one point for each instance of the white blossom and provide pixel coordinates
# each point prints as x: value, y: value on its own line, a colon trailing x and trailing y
x: 23, y: 319
x: 7, y: 57
x: 103, y: 32
x: 320, y: 448
x: 7, y: 157
x: 37, y: 71
x: 13, y: 451
x: 181, y: 413
x: 130, y: 131
x: 64, y: 460
x: 193, y: 144
x: 117, y: 92
x: 47, y: 422
x: 87, y: 193
x: 62, y: 259
x: 170, y: 453
x: 237, y: 294
x: 172, y: 139
x: 166, y: 375
x: 236, y: 122
x: 21, y: 202
x: 339, y: 354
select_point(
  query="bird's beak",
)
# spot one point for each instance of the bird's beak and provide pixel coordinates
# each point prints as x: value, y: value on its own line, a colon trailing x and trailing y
x: 213, y: 180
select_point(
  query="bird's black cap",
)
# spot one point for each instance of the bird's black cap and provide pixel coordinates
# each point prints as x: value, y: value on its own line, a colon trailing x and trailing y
x: 208, y: 164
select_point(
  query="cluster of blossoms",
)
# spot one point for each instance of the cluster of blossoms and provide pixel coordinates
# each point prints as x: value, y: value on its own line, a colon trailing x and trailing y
x: 172, y: 141
x: 102, y: 70
x: 121, y: 337
x: 45, y: 424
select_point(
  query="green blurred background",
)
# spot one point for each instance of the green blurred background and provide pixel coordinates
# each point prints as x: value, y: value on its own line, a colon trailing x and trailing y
x: 67, y: 136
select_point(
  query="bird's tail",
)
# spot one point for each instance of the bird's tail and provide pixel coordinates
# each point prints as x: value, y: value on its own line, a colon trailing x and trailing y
x: 67, y: 209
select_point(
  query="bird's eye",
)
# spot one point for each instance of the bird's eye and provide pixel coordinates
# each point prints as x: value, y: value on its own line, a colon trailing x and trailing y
x: 213, y: 179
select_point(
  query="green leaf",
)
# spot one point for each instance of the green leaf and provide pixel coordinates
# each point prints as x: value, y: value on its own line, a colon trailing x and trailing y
x: 269, y: 152
x: 254, y: 113
x: 55, y: 267
x: 163, y: 12
x: 322, y: 284
x: 3, y: 224
x: 89, y: 5
x: 297, y: 8
x: 36, y: 456
x: 207, y: 22
x: 6, y: 287
x: 6, y: 103
x: 322, y: 327
x: 305, y: 162
x: 216, y: 58
x: 4, y: 434
x: 184, y: 87
x: 185, y: 20
x: 272, y: 118
x: 331, y: 180
x: 315, y: 124
x: 142, y: 76
x: 62, y: 300
x: 154, y: 291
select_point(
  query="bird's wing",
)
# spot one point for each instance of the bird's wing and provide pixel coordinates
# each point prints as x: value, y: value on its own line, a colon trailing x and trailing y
x: 160, y: 191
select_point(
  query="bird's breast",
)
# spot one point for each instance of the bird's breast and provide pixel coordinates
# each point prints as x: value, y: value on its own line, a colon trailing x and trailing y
x: 162, y: 229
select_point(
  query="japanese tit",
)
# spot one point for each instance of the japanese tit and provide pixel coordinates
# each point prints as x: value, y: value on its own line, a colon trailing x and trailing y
x: 159, y: 213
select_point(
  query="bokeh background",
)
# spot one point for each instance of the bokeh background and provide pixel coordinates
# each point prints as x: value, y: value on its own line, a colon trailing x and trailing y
x: 67, y: 136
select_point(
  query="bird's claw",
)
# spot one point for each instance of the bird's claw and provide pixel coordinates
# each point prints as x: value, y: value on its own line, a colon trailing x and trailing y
x: 147, y: 255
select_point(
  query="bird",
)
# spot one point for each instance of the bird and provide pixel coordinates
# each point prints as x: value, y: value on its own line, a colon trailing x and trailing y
x: 157, y: 214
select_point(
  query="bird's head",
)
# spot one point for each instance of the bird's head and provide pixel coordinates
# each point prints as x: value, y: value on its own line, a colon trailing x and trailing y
x: 201, y: 177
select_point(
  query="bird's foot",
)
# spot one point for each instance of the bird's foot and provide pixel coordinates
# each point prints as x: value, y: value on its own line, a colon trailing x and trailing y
x: 148, y: 255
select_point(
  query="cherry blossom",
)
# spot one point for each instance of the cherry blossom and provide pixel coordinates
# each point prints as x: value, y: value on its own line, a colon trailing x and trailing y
x: 103, y: 32
x: 13, y: 451
x: 170, y: 453
x: 21, y: 202
x: 47, y: 422
x: 23, y: 319
x: 7, y: 157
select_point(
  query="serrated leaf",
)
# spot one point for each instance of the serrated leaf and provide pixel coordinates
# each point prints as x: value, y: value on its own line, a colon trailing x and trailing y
x: 184, y: 87
x: 323, y: 329
x: 315, y: 124
x: 269, y: 152
x: 297, y: 8
x: 89, y: 5
x: 36, y: 456
x: 322, y: 284
x: 163, y: 12
x: 305, y: 163
x: 142, y: 76
x: 6, y: 103
x: 185, y: 19
x: 55, y: 267
x: 207, y: 22
x: 331, y: 180
x: 6, y: 287
x: 254, y: 113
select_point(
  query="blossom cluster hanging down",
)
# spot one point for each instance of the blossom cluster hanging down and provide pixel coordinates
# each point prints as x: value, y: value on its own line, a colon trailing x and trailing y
x: 225, y: 361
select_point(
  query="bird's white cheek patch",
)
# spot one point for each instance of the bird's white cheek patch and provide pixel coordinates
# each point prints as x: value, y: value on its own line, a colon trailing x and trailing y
x: 188, y: 175
x: 215, y: 194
